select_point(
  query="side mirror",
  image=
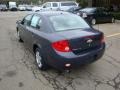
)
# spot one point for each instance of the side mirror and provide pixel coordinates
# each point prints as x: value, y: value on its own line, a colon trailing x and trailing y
x: 18, y: 22
x: 38, y: 27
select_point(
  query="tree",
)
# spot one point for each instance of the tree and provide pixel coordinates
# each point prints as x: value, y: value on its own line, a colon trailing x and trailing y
x: 35, y: 1
x: 82, y: 3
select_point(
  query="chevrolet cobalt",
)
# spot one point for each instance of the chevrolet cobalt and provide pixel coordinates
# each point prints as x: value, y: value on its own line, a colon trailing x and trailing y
x: 61, y: 40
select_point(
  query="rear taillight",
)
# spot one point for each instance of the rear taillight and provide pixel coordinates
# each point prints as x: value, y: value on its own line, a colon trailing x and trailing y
x: 102, y: 39
x: 62, y: 46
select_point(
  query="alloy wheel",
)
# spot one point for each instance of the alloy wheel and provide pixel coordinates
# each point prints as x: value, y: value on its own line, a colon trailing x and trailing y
x: 38, y: 59
x: 113, y: 20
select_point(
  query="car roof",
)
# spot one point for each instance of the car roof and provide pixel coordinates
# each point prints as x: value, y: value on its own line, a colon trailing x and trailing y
x: 51, y: 13
x: 61, y: 2
x: 90, y: 8
x: 94, y: 8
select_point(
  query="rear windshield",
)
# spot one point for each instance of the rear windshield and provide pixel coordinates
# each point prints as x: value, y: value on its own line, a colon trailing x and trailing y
x: 88, y: 10
x: 68, y: 22
x: 68, y: 4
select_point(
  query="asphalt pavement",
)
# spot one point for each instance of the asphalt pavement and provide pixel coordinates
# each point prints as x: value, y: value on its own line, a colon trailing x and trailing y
x: 19, y: 72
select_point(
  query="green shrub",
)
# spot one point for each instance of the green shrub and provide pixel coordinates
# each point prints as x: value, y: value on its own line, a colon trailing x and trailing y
x: 82, y: 3
x: 116, y: 15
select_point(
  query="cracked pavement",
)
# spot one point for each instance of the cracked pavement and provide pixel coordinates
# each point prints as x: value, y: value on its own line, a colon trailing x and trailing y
x: 19, y: 72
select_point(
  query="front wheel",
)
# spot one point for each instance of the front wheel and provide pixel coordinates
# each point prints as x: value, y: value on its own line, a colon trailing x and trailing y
x: 18, y: 36
x: 40, y: 61
x: 93, y: 21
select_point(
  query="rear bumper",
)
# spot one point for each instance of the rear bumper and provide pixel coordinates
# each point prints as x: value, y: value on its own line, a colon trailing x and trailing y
x: 28, y: 9
x: 22, y: 9
x: 3, y: 9
x: 13, y: 9
x: 58, y: 60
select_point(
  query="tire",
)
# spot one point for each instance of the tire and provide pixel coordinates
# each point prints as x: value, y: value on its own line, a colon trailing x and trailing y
x: 40, y: 60
x: 18, y: 36
x: 93, y: 21
x: 37, y: 10
x: 112, y: 20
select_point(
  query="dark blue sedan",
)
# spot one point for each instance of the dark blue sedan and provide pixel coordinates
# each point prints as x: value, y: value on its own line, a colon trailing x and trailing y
x: 60, y: 39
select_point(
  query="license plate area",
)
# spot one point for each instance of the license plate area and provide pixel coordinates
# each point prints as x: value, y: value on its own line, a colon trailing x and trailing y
x: 83, y: 45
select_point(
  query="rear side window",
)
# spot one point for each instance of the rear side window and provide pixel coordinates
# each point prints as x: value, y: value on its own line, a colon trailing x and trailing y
x: 55, y: 5
x: 26, y: 21
x: 34, y: 21
x: 68, y: 4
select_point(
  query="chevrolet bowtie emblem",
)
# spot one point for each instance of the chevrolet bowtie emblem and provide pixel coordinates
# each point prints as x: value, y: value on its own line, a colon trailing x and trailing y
x: 89, y: 41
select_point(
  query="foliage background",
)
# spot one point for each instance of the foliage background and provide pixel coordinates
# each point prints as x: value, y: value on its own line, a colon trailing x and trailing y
x: 82, y: 3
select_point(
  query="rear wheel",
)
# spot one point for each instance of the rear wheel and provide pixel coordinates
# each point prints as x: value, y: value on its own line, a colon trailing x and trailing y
x: 93, y: 21
x: 37, y: 10
x: 113, y: 20
x: 40, y: 61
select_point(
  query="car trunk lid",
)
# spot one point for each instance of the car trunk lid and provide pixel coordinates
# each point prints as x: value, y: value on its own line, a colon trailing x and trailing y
x: 82, y: 40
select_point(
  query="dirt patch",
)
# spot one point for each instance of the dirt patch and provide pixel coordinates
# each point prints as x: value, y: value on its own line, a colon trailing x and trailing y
x: 10, y: 73
x: 20, y: 84
x: 0, y: 79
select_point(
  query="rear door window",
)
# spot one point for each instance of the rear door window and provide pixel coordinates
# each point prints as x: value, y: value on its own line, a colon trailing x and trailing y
x: 36, y: 22
x: 55, y: 5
